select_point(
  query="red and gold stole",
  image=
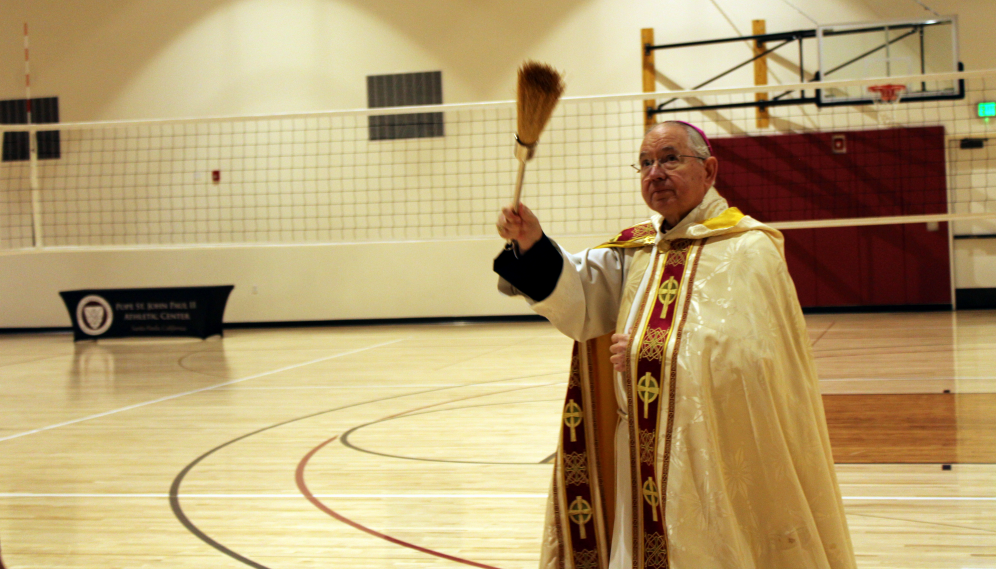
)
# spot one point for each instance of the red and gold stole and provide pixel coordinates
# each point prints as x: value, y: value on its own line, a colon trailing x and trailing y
x: 651, y: 389
x: 584, y: 475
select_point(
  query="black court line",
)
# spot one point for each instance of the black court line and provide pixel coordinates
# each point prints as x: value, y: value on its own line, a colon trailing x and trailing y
x: 174, y: 490
x: 41, y: 359
x: 817, y: 341
x: 180, y: 363
x: 344, y: 439
x: 887, y: 345
x: 875, y: 352
x: 922, y: 522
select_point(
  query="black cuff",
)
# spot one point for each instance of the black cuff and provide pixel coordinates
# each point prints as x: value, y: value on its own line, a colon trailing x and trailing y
x: 535, y: 272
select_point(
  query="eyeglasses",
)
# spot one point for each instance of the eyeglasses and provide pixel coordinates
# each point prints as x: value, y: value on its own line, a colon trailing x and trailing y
x: 667, y: 162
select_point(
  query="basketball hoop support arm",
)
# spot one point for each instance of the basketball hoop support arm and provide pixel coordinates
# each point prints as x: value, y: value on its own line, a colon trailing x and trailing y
x: 785, y: 38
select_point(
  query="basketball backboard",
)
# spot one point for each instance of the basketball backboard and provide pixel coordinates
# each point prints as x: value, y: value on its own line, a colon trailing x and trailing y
x: 888, y: 49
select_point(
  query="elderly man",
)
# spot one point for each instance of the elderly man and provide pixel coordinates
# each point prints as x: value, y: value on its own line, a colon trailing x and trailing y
x: 694, y: 436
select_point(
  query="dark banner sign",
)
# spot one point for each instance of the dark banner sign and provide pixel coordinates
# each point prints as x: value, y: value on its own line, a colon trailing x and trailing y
x: 116, y: 313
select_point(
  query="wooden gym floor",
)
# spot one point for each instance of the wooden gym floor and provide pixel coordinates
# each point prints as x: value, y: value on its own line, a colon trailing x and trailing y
x: 425, y: 446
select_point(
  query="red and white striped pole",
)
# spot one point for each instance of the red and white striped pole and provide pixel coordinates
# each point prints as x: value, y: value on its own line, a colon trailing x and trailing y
x: 32, y: 148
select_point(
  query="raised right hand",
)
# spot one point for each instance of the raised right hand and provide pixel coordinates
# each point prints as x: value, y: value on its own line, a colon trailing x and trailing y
x: 523, y: 227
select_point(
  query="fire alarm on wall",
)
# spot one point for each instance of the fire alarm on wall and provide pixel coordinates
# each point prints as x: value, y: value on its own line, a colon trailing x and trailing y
x: 838, y: 143
x: 216, y: 176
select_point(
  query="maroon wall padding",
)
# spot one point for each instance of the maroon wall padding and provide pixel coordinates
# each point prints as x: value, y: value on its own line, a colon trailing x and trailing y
x: 800, y: 254
x: 885, y: 172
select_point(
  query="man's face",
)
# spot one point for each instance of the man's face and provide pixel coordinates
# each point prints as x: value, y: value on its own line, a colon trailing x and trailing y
x: 674, y: 193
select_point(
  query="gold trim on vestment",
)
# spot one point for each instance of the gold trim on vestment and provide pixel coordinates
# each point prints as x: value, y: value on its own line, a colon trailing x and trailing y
x: 639, y: 235
x: 644, y: 234
x: 580, y: 477
x: 672, y: 384
x: 634, y: 457
x: 725, y: 220
x: 660, y: 321
x: 557, y: 522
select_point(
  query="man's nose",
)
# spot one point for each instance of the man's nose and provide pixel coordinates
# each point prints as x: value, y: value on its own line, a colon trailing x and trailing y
x: 656, y: 170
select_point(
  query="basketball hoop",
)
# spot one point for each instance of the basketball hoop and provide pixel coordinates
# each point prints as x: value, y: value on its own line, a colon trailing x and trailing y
x: 884, y: 99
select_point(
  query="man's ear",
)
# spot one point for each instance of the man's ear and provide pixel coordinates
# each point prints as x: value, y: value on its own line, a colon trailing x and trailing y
x: 712, y: 169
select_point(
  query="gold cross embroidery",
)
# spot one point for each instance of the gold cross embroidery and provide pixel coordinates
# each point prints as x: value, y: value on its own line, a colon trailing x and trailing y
x: 580, y: 513
x: 647, y: 389
x: 650, y: 495
x: 667, y: 293
x: 572, y: 418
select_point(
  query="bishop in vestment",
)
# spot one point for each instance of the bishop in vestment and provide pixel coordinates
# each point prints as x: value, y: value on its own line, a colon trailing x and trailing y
x: 693, y: 434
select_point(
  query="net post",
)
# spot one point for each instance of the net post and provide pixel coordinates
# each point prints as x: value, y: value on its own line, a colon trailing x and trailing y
x: 760, y: 73
x: 36, y: 224
x: 649, y: 76
x: 36, y: 212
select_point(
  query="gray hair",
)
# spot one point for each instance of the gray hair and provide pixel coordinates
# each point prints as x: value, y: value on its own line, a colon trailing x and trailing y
x: 695, y: 141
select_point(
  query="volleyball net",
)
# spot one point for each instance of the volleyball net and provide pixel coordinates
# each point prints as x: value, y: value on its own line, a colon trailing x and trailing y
x: 442, y: 172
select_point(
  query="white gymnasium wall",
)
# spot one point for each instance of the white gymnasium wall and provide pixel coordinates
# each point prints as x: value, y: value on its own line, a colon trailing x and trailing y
x: 280, y: 283
x: 136, y: 59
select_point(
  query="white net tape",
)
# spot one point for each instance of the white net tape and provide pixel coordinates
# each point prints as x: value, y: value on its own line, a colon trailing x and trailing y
x: 319, y: 178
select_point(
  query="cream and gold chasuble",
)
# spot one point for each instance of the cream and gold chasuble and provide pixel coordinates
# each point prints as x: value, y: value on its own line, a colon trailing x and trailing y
x: 711, y: 450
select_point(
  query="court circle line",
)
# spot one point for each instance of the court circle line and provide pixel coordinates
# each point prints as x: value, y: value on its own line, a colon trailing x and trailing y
x: 344, y: 439
x: 174, y: 491
x: 303, y: 487
x: 306, y: 492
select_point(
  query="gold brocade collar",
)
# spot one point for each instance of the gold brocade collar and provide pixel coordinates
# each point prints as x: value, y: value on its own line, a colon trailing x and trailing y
x: 710, y: 216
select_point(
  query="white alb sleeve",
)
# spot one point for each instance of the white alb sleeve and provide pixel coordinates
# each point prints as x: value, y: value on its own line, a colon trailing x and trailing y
x: 585, y: 302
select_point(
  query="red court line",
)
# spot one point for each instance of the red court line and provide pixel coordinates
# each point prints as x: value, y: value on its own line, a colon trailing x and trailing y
x: 303, y: 487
